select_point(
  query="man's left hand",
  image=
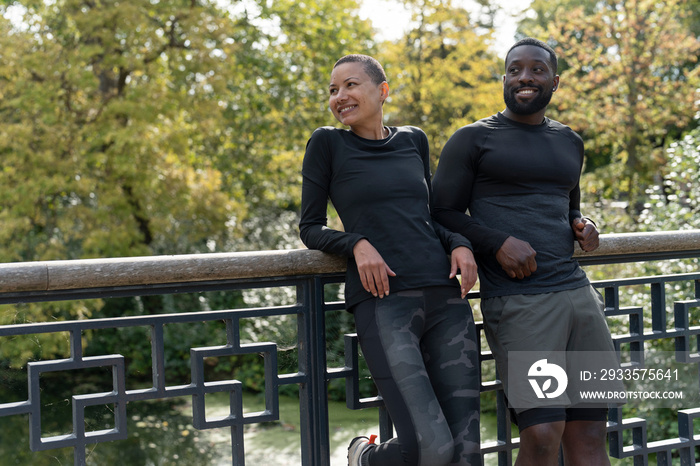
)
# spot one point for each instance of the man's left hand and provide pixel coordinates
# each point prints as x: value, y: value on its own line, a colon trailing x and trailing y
x: 586, y: 234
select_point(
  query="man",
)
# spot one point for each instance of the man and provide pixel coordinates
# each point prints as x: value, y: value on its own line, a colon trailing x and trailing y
x: 517, y: 173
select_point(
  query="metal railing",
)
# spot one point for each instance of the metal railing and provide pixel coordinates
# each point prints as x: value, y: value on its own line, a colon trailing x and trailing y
x: 309, y: 272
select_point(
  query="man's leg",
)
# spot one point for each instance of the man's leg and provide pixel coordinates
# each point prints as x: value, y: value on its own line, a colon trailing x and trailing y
x: 584, y: 440
x: 584, y: 443
x: 525, y: 323
x: 539, y: 444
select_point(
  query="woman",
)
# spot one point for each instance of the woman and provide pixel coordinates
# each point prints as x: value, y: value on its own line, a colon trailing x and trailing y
x: 414, y: 326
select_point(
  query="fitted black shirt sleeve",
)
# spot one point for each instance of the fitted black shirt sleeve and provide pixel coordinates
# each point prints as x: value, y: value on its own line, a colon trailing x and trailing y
x: 317, y: 176
x: 381, y: 191
x: 455, y: 177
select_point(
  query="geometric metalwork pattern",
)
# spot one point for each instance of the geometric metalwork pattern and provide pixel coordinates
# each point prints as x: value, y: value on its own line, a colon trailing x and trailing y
x: 233, y: 387
x: 352, y: 386
x: 79, y: 437
x: 313, y: 374
x: 686, y: 334
x: 198, y: 389
x: 639, y: 447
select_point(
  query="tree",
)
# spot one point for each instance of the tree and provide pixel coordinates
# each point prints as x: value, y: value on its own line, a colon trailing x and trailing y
x: 138, y: 128
x: 674, y: 203
x: 270, y: 122
x: 631, y: 85
x: 161, y: 127
x: 442, y: 73
x: 106, y: 105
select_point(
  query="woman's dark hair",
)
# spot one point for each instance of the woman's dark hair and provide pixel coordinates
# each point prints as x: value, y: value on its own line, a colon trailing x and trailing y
x: 371, y: 66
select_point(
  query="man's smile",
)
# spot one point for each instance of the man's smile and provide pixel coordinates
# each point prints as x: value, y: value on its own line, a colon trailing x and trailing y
x: 526, y: 92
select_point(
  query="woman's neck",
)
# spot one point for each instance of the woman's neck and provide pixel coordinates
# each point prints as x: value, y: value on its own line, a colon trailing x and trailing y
x: 373, y: 132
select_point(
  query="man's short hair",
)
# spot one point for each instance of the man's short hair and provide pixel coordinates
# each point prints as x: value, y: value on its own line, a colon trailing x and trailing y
x: 371, y: 66
x: 540, y: 44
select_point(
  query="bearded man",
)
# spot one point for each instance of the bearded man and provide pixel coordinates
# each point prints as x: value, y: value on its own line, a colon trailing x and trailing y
x: 510, y: 184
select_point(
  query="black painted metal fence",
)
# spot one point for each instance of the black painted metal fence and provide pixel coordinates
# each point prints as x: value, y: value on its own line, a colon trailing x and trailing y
x: 313, y: 373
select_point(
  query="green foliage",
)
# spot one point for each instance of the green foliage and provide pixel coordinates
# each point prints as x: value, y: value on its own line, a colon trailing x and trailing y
x: 671, y: 204
x: 153, y: 128
x: 100, y: 101
x: 693, y: 20
x: 282, y: 98
x: 674, y: 203
x: 138, y: 128
x: 134, y: 128
x: 629, y: 86
x: 442, y: 73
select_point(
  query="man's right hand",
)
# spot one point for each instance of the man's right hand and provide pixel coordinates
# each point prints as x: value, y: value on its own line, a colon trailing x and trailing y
x: 374, y: 272
x: 517, y: 258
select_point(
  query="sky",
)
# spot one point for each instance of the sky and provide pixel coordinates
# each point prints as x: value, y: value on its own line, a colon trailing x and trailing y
x: 390, y: 19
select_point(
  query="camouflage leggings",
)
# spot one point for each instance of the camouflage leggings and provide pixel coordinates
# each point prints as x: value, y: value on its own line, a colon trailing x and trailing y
x: 420, y: 346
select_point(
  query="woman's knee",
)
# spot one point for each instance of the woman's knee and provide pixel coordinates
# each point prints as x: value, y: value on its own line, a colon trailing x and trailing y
x: 436, y: 447
x: 436, y: 456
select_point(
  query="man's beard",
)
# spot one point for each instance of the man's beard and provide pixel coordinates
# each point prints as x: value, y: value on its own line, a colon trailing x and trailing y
x: 533, y: 106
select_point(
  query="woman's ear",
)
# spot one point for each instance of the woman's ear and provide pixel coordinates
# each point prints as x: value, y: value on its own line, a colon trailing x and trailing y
x: 384, y: 89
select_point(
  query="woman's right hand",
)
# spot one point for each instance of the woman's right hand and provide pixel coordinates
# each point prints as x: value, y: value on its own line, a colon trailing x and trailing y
x: 374, y: 272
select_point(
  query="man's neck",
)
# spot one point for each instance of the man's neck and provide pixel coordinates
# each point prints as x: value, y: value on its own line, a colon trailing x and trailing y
x: 532, y: 119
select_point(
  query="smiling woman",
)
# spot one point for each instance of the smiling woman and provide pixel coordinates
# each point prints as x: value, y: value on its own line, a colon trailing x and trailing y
x: 356, y: 98
x: 410, y: 313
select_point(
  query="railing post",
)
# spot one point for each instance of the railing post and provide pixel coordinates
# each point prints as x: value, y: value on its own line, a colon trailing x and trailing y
x: 313, y: 395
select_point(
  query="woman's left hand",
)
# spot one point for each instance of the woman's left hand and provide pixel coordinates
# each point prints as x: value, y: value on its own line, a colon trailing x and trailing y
x: 463, y: 260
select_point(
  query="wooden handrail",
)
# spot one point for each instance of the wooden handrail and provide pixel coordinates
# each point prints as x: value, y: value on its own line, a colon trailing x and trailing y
x: 134, y: 271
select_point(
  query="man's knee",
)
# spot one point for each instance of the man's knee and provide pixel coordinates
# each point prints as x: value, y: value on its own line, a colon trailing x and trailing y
x: 589, y: 433
x: 543, y: 438
x: 584, y: 443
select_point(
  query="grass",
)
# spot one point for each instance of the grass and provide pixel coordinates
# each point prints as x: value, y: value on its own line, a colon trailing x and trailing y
x: 279, y: 442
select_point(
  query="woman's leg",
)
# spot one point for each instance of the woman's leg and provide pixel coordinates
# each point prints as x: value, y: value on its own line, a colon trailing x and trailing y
x: 452, y: 361
x: 390, y: 332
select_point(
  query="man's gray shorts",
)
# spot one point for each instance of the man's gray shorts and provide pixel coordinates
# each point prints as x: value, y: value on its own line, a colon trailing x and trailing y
x: 570, y: 320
